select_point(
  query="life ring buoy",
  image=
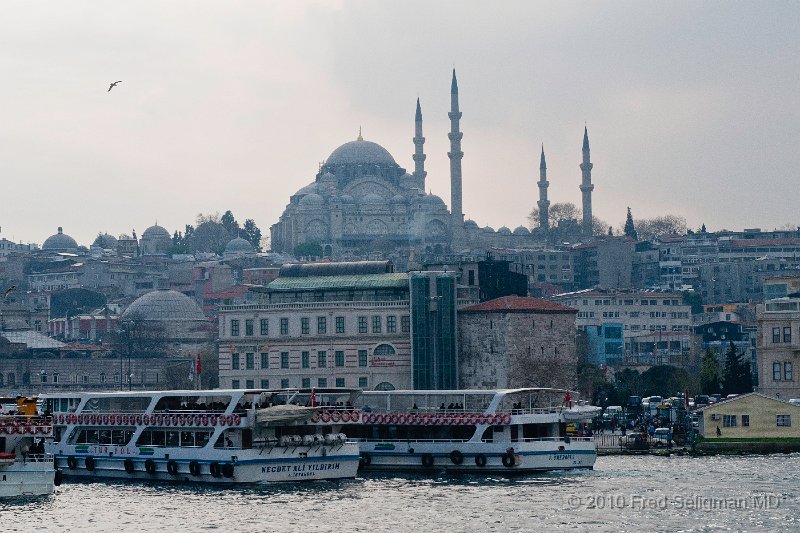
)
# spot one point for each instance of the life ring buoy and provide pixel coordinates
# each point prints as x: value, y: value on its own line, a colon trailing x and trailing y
x: 129, y: 466
x: 508, y: 459
x: 150, y: 466
x: 229, y: 420
x: 427, y: 460
x: 58, y: 419
x: 3, y: 430
x: 72, y: 463
x: 105, y: 420
x: 46, y: 430
x: 345, y: 416
x: 204, y: 420
x: 456, y: 457
x: 124, y: 420
x: 402, y: 419
x: 73, y: 418
x: 335, y: 416
x: 181, y: 420
x: 80, y: 419
x: 214, y: 469
x: 367, y: 419
x: 28, y: 429
x: 198, y: 419
x: 111, y: 420
x: 194, y: 468
x: 364, y: 459
x: 118, y: 419
x: 482, y: 419
x: 176, y: 419
x: 89, y: 462
x: 393, y: 418
x: 507, y: 418
x: 355, y: 416
x: 227, y: 470
x: 497, y: 419
x: 172, y: 467
x: 315, y: 417
x: 326, y: 417
x: 480, y: 460
x: 237, y: 419
x: 146, y: 420
x: 213, y: 420
x: 93, y: 419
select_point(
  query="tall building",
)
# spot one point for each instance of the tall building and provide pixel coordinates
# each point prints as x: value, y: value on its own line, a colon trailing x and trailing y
x: 778, y: 350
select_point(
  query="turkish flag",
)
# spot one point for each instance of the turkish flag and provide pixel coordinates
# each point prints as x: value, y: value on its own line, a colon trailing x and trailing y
x: 198, y: 368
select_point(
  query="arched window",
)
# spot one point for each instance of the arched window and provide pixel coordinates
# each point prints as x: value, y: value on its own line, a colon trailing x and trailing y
x: 384, y: 385
x: 383, y: 349
x: 26, y: 378
x: 12, y: 379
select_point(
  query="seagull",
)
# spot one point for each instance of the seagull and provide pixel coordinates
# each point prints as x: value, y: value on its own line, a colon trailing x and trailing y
x: 113, y: 85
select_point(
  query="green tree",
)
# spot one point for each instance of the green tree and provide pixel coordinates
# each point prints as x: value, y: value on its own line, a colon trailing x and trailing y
x: 629, y: 382
x: 709, y: 373
x: 736, y: 376
x: 666, y: 380
x: 695, y: 299
x: 308, y: 249
x: 252, y: 234
x: 630, y: 229
x: 229, y: 223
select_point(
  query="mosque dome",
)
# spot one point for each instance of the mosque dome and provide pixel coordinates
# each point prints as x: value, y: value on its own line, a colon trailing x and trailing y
x: 504, y: 231
x: 360, y: 152
x: 434, y: 200
x: 311, y: 187
x: 372, y: 199
x: 487, y: 229
x: 164, y: 305
x: 104, y: 240
x: 155, y: 232
x: 521, y: 230
x: 239, y: 246
x: 471, y: 224
x: 312, y: 199
x: 398, y: 199
x: 328, y: 177
x: 347, y: 199
x: 60, y: 241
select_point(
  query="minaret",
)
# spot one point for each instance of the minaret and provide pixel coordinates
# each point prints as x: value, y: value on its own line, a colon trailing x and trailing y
x: 419, y: 155
x: 455, y: 154
x: 543, y: 203
x: 586, y: 186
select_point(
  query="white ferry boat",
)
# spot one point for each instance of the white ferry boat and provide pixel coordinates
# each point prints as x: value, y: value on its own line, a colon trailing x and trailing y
x: 25, y: 469
x: 254, y: 436
x: 506, y: 432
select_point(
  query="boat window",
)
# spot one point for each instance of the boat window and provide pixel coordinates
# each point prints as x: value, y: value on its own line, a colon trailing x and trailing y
x: 159, y: 438
x: 117, y: 404
x: 172, y: 439
x: 187, y: 438
x: 117, y: 437
x: 488, y: 434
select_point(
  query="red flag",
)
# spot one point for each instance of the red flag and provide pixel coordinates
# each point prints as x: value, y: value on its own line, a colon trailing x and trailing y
x: 198, y: 367
x: 313, y: 398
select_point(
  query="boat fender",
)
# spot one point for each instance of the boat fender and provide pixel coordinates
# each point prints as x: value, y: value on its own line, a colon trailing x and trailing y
x: 89, y: 463
x: 508, y: 459
x: 566, y: 439
x: 72, y: 463
x: 57, y: 478
x: 214, y: 469
x: 150, y: 466
x: 172, y: 467
x: 456, y: 457
x: 227, y: 470
x: 129, y: 467
x: 480, y: 460
x: 427, y: 460
x: 194, y: 468
x: 365, y: 459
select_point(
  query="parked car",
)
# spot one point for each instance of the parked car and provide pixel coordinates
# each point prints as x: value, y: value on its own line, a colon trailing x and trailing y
x: 715, y: 397
x: 701, y: 400
x: 662, y: 437
x: 794, y: 401
x: 635, y: 441
x: 612, y: 412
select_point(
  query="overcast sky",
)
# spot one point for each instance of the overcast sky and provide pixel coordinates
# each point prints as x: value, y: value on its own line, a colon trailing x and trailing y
x: 692, y: 107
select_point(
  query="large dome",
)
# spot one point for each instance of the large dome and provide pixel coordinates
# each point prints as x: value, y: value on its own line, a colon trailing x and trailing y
x: 239, y: 245
x: 59, y: 241
x: 164, y: 305
x: 155, y: 232
x: 360, y: 152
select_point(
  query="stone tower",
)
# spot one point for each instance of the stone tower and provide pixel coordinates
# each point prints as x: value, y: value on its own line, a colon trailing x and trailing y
x: 586, y: 186
x: 455, y: 154
x: 419, y: 154
x: 543, y: 203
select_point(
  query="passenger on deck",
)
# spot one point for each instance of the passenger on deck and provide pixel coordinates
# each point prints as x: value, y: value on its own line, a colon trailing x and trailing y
x: 442, y: 406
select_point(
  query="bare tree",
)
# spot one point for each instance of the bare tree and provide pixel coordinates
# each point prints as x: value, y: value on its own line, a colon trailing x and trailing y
x: 652, y: 228
x: 566, y: 211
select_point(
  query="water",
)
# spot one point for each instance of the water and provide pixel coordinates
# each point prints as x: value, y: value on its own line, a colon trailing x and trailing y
x: 622, y: 493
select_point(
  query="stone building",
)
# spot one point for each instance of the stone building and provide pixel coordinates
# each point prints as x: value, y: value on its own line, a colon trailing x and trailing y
x: 517, y: 342
x: 155, y: 241
x: 363, y: 201
x: 778, y: 350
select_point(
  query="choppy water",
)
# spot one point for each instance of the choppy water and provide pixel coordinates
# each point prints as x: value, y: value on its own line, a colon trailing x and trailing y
x: 621, y: 494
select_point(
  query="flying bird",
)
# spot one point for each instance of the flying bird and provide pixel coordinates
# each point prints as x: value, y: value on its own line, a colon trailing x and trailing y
x: 113, y: 85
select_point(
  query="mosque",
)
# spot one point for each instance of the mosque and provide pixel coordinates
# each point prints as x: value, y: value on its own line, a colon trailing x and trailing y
x: 363, y: 201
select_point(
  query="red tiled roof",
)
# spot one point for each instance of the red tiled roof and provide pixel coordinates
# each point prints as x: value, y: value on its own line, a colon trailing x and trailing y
x: 519, y: 304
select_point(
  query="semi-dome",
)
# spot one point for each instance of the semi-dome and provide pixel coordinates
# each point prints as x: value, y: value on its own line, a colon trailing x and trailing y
x: 504, y: 231
x: 470, y: 223
x: 487, y: 229
x: 398, y: 199
x: 239, y: 246
x: 360, y: 152
x: 311, y: 187
x: 59, y: 241
x: 521, y: 230
x: 312, y: 199
x: 163, y: 305
x: 347, y: 199
x: 433, y: 200
x: 155, y: 232
x: 372, y: 199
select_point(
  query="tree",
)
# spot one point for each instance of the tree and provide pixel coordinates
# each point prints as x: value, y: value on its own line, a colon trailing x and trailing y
x: 561, y: 211
x: 629, y: 381
x: 695, y: 299
x: 709, y: 373
x: 666, y: 379
x: 308, y: 249
x: 229, y: 223
x: 736, y: 376
x: 252, y: 234
x: 652, y: 228
x: 210, y: 236
x: 703, y: 228
x: 630, y: 229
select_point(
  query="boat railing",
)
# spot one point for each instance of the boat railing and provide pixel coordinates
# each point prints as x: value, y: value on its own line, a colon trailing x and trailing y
x: 411, y: 440
x: 439, y: 411
x: 38, y: 458
x: 554, y: 439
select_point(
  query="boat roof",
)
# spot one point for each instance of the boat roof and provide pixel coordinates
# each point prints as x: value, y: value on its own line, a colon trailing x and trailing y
x: 462, y: 392
x: 194, y: 392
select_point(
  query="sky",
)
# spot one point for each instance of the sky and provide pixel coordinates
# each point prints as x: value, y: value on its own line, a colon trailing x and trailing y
x: 692, y: 107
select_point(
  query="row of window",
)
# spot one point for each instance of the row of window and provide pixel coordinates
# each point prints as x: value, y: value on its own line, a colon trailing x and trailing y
x: 729, y: 421
x: 321, y: 324
x: 305, y: 383
x: 787, y: 371
x: 10, y: 379
x: 321, y: 358
x: 778, y: 338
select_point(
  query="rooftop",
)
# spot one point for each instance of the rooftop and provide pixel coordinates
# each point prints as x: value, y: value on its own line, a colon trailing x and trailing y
x: 366, y: 281
x: 519, y: 304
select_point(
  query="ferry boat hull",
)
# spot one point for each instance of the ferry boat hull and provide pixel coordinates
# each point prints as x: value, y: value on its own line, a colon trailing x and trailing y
x: 27, y: 479
x: 477, y: 458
